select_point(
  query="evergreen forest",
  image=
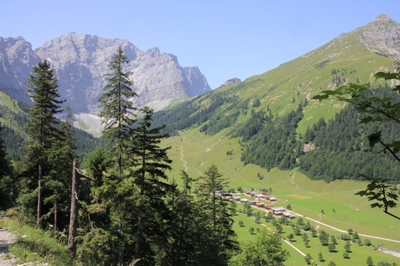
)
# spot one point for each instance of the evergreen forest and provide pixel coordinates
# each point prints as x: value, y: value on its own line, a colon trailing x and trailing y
x: 329, y: 150
x: 112, y: 197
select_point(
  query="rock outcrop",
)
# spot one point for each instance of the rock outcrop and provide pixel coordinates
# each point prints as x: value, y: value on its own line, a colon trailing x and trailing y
x: 382, y: 36
x: 80, y: 61
x: 231, y: 82
x: 16, y: 61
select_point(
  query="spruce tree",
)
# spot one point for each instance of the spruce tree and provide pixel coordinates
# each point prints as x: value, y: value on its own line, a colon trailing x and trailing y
x: 94, y: 218
x: 117, y: 116
x: 5, y: 171
x: 117, y: 113
x: 58, y: 179
x: 216, y: 211
x: 4, y: 162
x: 188, y: 233
x: 43, y: 127
x: 149, y: 162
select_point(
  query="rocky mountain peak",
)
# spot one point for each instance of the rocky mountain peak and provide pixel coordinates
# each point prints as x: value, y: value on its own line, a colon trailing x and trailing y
x: 230, y: 82
x: 17, y: 59
x: 384, y: 18
x: 154, y: 52
x: 80, y: 61
x: 382, y: 37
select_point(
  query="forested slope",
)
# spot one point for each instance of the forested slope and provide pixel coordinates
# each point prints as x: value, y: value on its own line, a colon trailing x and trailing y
x: 14, y: 116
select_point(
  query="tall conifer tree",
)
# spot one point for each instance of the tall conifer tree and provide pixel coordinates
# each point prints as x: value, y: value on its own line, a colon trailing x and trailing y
x: 150, y: 163
x: 57, y: 180
x: 117, y: 116
x: 42, y: 128
x: 219, y: 215
x: 4, y: 162
x: 117, y: 110
x: 5, y: 170
x: 189, y: 234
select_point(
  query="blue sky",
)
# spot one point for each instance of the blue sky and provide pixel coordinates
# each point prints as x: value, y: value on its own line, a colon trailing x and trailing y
x: 225, y: 39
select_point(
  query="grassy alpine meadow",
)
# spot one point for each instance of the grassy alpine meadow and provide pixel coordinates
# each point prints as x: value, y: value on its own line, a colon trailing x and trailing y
x: 243, y: 232
x: 333, y: 204
x: 357, y: 255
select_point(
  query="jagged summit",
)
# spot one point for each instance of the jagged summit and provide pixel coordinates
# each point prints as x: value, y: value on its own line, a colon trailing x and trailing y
x: 383, y: 17
x: 382, y: 37
x: 80, y: 61
x: 230, y: 82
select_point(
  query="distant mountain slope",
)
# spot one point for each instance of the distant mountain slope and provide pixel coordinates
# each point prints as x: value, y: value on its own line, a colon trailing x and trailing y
x: 271, y: 112
x: 80, y: 61
x: 14, y: 116
x: 351, y: 57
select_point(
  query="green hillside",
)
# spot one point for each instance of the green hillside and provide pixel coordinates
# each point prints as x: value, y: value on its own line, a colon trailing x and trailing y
x: 280, y: 90
x: 228, y: 126
x: 270, y: 113
x: 14, y: 116
x: 194, y: 152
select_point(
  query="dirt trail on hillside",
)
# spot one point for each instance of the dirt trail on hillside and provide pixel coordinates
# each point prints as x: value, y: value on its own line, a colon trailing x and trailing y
x: 288, y: 242
x: 212, y: 145
x: 6, y: 238
x: 183, y: 155
x: 292, y: 181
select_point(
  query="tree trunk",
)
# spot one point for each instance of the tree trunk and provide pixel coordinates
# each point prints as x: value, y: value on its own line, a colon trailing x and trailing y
x: 73, y: 211
x: 39, y: 198
x: 55, y: 206
x: 138, y: 238
x: 121, y: 247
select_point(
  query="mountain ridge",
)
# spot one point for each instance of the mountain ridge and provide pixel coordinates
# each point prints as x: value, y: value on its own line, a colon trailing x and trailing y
x: 283, y: 90
x: 80, y: 61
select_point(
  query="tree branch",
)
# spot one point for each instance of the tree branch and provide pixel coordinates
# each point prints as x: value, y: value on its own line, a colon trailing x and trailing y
x: 83, y: 175
x: 397, y: 217
x: 389, y: 149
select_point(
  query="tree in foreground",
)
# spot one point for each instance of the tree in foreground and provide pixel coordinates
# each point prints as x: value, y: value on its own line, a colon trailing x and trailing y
x: 117, y: 116
x: 218, y: 213
x: 117, y: 113
x: 265, y: 250
x: 375, y: 110
x: 57, y: 181
x: 6, y: 184
x: 149, y: 165
x: 94, y: 219
x: 43, y: 127
x: 188, y: 234
x: 4, y: 162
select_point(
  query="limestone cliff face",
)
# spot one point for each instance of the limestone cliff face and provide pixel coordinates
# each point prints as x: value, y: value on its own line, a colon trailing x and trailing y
x: 16, y: 61
x: 80, y: 61
x: 382, y: 36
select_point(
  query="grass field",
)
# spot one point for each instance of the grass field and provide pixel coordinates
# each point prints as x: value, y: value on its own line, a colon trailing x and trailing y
x: 195, y: 152
x: 357, y: 256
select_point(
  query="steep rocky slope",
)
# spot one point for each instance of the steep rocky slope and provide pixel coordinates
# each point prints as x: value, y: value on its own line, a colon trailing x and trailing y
x: 80, y: 61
